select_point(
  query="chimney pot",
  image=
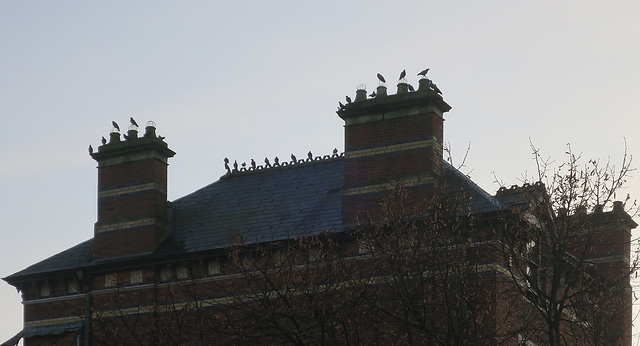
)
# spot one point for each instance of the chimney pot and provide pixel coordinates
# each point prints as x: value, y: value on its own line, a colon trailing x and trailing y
x: 381, y: 91
x: 132, y: 134
x: 114, y: 137
x: 150, y: 131
x: 361, y: 95
x: 424, y: 84
x: 618, y: 206
x: 403, y: 88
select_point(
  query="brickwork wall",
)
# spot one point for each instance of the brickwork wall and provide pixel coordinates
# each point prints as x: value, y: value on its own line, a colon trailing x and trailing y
x: 132, y: 173
x: 368, y: 170
x: 127, y: 241
x: 69, y: 338
x: 392, y: 131
x: 384, y: 153
x: 132, y: 208
x: 150, y: 203
x: 53, y: 309
x: 362, y: 208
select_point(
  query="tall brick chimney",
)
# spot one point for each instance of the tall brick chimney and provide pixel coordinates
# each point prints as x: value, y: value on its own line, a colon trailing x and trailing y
x: 132, y: 194
x: 391, y: 140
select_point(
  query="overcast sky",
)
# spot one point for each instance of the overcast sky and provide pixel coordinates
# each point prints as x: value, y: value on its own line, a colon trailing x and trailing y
x: 245, y: 80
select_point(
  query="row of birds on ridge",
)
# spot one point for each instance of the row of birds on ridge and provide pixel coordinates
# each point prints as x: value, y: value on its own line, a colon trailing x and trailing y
x: 117, y: 127
x: 403, y: 74
x: 276, y: 161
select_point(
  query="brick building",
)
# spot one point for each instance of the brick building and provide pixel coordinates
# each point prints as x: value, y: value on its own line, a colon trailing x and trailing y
x: 144, y: 246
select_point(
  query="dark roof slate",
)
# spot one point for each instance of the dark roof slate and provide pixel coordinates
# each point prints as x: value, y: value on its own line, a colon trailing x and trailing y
x: 74, y: 257
x: 265, y: 205
x: 262, y: 205
x: 477, y: 199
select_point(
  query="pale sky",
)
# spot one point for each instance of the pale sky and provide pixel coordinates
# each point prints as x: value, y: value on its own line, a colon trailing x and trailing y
x: 245, y: 80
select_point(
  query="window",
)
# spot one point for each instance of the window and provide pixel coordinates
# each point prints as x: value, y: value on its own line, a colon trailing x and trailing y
x: 522, y: 341
x: 110, y: 280
x: 365, y: 246
x: 165, y: 273
x: 136, y: 276
x: 182, y: 272
x: 213, y: 267
x: 72, y: 287
x: 45, y: 290
x: 315, y: 254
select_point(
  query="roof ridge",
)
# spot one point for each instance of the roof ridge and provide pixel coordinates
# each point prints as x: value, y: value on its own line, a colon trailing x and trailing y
x: 244, y: 170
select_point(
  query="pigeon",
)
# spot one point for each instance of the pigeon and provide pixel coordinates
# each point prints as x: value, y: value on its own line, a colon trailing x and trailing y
x: 411, y: 87
x: 348, y: 99
x: 341, y: 105
x: 276, y: 161
x: 235, y: 165
x: 104, y: 140
x: 380, y: 78
x: 266, y: 162
x: 133, y: 122
x: 115, y: 124
x: 253, y: 164
x: 161, y: 138
x: 293, y: 158
x: 435, y: 88
x: 403, y: 74
x: 423, y: 73
x: 335, y: 151
x: 373, y: 94
x: 90, y: 149
x: 226, y: 164
x: 310, y: 155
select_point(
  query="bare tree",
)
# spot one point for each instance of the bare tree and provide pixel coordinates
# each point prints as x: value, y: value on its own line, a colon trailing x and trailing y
x: 572, y: 267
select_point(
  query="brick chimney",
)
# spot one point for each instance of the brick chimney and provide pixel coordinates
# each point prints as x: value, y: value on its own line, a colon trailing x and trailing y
x: 391, y: 140
x: 132, y: 194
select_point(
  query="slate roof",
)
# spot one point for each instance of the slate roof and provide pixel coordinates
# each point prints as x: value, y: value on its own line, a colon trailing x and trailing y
x: 265, y: 205
x: 477, y: 199
x: 77, y: 256
x: 262, y: 205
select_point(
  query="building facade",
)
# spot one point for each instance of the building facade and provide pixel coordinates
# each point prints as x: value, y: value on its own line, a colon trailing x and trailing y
x: 160, y: 272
